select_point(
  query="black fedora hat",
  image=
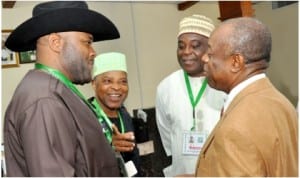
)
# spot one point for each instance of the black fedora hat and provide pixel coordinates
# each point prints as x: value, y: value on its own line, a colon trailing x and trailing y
x: 60, y: 16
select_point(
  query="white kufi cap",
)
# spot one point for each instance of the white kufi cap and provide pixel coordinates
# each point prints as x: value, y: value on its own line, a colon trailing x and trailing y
x: 199, y: 24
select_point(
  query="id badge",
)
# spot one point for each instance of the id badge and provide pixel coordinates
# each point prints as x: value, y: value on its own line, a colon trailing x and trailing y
x: 130, y: 168
x: 193, y: 142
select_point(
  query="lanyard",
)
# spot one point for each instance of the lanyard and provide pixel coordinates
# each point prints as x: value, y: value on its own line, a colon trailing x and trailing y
x: 105, y: 121
x: 61, y: 77
x: 97, y: 110
x: 200, y: 93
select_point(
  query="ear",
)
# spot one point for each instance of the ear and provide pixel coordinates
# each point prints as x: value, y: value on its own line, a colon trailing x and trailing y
x: 55, y: 42
x: 238, y: 62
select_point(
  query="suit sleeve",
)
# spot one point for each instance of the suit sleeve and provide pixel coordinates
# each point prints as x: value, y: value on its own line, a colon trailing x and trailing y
x: 163, y: 122
x: 48, y: 134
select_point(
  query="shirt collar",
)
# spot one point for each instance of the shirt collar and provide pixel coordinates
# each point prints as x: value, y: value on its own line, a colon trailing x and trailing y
x: 237, y: 89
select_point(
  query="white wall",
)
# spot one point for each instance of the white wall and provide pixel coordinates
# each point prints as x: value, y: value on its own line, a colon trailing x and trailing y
x: 283, y: 24
x: 148, y: 38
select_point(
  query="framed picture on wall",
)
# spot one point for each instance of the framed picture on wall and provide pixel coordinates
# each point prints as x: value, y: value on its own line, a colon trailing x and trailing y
x: 27, y: 57
x: 8, y: 57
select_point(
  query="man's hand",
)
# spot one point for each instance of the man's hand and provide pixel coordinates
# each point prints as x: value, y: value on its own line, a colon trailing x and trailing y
x: 122, y: 142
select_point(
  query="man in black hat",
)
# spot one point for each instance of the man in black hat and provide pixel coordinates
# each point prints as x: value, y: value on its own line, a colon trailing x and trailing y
x: 50, y: 129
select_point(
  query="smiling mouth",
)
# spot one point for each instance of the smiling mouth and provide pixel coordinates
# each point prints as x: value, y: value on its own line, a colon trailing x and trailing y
x: 187, y: 61
x: 115, y: 97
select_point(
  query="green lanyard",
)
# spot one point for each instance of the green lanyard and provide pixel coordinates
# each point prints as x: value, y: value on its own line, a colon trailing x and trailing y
x: 61, y: 77
x: 98, y: 111
x: 194, y: 102
x: 103, y: 119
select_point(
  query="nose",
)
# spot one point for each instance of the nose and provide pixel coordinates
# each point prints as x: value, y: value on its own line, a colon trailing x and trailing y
x: 115, y: 86
x: 205, y: 58
x: 187, y: 50
x: 92, y: 52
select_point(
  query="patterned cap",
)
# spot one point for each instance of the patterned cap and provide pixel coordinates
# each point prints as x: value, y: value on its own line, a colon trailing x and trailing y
x: 111, y: 61
x: 196, y: 24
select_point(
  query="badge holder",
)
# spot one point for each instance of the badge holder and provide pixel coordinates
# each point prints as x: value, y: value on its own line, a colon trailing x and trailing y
x: 127, y: 169
x: 193, y: 142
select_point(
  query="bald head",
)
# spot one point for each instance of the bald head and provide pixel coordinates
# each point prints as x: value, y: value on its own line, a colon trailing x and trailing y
x: 248, y: 37
x: 238, y: 49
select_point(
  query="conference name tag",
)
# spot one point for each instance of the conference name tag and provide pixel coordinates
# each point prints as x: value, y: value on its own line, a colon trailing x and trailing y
x: 193, y: 142
x: 146, y: 148
x: 130, y: 168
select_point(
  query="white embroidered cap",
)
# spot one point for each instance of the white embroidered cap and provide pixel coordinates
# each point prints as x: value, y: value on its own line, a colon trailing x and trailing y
x: 199, y: 24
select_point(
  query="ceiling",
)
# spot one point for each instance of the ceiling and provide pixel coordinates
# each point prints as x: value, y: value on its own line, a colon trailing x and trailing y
x: 181, y: 5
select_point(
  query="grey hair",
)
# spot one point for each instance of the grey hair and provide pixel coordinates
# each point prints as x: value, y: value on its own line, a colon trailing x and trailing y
x: 249, y: 37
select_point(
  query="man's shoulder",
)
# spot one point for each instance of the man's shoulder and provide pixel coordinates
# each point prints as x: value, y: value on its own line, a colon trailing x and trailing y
x: 171, y: 78
x: 37, y: 84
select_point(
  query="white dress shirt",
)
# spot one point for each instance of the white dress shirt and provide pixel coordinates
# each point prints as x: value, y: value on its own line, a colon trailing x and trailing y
x: 237, y: 89
x: 174, y: 115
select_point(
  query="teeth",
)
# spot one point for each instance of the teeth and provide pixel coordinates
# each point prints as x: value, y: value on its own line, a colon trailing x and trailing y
x: 115, y: 95
x: 188, y: 61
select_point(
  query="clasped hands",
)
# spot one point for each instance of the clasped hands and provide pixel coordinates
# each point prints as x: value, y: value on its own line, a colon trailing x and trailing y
x: 122, y: 142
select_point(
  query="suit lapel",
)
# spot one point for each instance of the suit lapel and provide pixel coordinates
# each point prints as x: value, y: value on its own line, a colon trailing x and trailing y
x: 254, y: 87
x: 210, y: 137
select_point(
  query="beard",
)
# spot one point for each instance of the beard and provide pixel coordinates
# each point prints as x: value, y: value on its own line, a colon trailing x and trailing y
x: 76, y: 65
